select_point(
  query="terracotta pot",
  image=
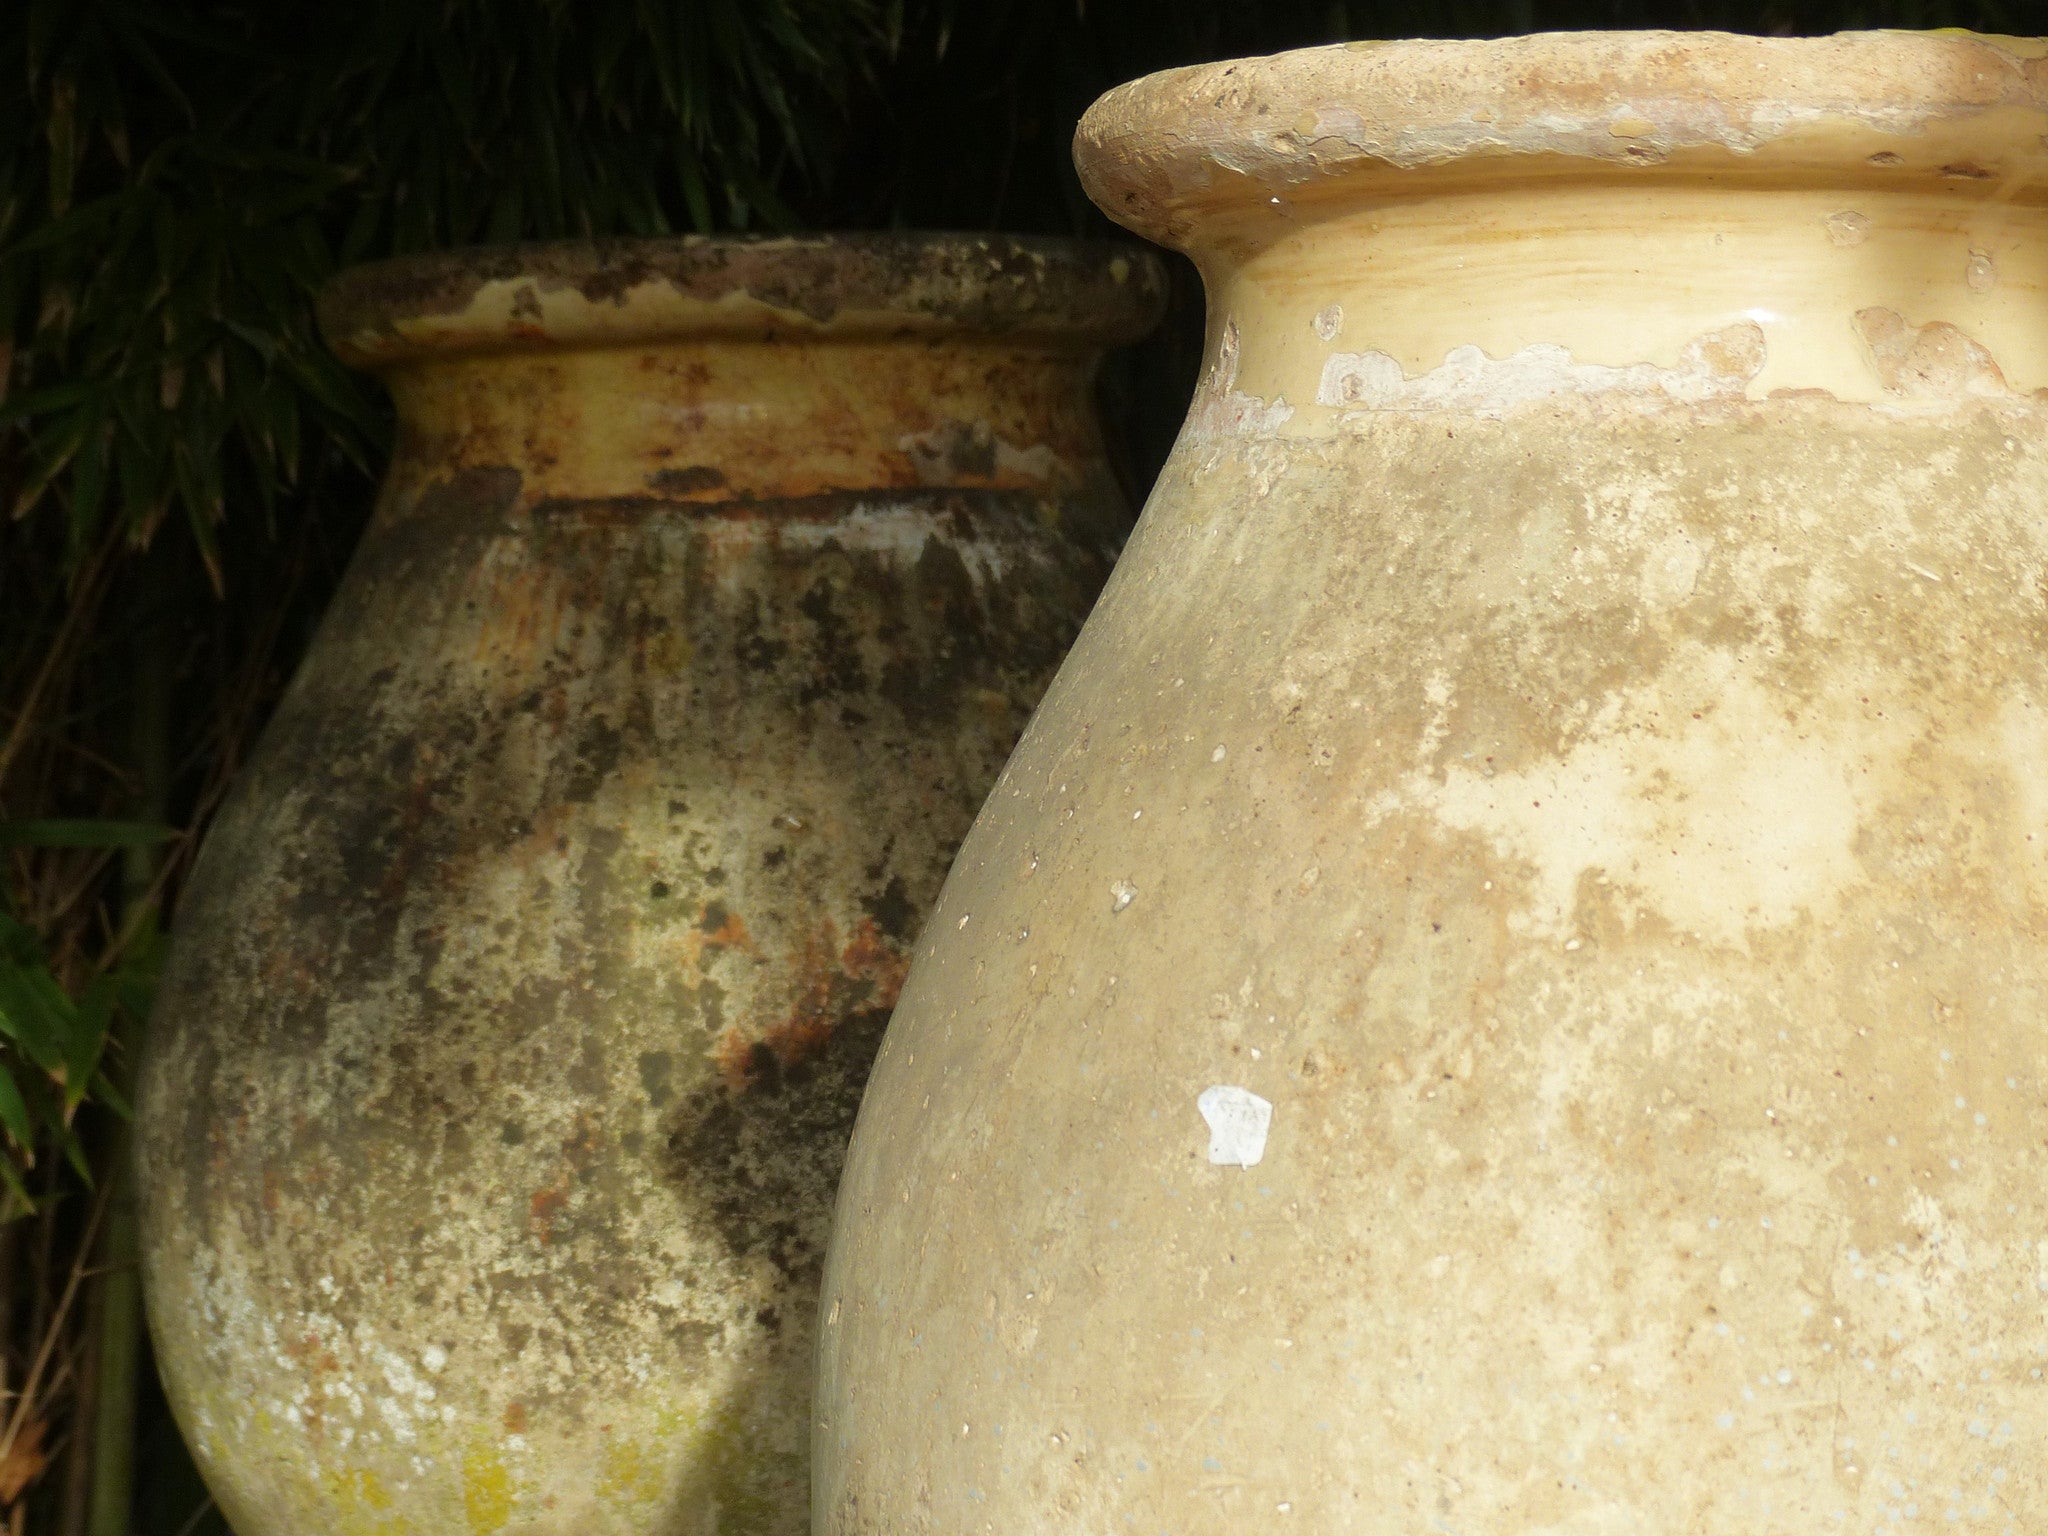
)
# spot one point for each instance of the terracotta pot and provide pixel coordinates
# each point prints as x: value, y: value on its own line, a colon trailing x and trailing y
x: 1568, y: 738
x: 522, y: 997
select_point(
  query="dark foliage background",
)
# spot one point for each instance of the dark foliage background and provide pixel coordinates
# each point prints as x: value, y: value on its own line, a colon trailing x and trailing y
x: 183, y: 469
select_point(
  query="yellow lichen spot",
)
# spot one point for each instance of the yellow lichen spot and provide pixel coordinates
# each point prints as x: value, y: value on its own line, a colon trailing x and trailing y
x: 359, y: 1504
x: 629, y: 1474
x: 486, y: 1491
x: 370, y: 1490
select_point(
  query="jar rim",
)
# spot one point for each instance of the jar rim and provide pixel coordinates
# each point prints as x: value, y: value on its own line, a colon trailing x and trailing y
x: 1057, y: 293
x: 1161, y: 153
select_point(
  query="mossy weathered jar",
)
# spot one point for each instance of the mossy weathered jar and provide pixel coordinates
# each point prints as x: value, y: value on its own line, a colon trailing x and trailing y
x: 523, y: 994
x: 1503, y: 989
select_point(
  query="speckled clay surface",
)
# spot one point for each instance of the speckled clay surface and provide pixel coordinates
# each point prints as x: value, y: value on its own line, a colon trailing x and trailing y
x: 524, y: 992
x: 1570, y: 735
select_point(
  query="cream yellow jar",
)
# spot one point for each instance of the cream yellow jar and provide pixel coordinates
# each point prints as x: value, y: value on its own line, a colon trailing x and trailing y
x: 1570, y: 737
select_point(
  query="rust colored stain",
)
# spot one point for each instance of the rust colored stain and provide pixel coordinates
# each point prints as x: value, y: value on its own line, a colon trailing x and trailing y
x: 870, y: 957
x: 802, y: 1034
x: 730, y: 932
x: 540, y: 1213
x: 835, y: 983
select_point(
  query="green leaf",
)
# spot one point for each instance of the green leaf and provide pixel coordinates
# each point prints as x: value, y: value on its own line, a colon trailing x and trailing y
x: 89, y: 481
x: 18, y: 941
x: 14, y: 1115
x: 74, y: 1154
x: 24, y: 1203
x: 137, y: 46
x: 27, y: 1016
x: 55, y: 449
x: 42, y: 402
x: 88, y: 1038
x: 61, y: 128
x: 61, y: 833
x: 140, y: 964
x: 105, y: 1092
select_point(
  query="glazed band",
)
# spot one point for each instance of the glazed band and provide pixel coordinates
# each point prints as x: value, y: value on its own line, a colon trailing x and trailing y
x: 1058, y: 293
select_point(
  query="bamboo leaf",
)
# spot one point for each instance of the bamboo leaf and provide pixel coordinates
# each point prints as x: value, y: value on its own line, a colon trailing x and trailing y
x: 89, y: 481
x: 104, y: 1091
x: 25, y: 1018
x: 55, y: 450
x: 88, y: 1041
x: 74, y: 1154
x: 45, y: 401
x: 24, y: 1203
x: 49, y: 832
x: 61, y: 129
x: 14, y: 1115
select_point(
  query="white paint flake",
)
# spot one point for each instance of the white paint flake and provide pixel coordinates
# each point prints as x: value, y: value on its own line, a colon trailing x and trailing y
x: 1716, y: 366
x: 1238, y: 1121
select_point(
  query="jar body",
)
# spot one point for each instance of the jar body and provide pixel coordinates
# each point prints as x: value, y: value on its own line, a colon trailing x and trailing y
x: 1574, y: 872
x: 1601, y: 811
x: 523, y: 995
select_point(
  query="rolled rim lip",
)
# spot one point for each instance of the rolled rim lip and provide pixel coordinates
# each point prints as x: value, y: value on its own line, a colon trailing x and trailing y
x: 1059, y: 293
x: 1152, y: 150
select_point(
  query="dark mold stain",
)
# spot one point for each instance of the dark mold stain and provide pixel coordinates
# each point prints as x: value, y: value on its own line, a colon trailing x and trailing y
x: 655, y: 1068
x: 686, y: 481
x: 893, y: 910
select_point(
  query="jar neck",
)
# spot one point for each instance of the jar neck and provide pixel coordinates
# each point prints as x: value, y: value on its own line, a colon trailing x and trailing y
x: 733, y: 420
x: 1675, y: 288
